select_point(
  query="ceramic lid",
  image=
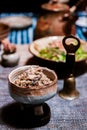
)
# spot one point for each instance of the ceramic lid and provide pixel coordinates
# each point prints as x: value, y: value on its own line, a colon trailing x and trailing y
x: 54, y: 5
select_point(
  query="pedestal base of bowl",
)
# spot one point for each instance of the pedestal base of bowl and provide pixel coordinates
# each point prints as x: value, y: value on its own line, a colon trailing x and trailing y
x: 35, y: 119
x: 22, y: 116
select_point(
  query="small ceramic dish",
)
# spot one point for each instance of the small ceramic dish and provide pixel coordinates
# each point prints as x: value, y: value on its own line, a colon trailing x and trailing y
x: 10, y: 59
x: 29, y: 90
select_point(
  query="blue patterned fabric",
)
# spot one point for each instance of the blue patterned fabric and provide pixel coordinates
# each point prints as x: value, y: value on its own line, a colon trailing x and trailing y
x: 79, y: 33
x: 25, y: 36
x: 79, y: 29
x: 21, y: 36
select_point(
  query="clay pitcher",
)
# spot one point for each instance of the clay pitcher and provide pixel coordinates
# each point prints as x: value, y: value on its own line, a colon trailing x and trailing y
x: 56, y: 19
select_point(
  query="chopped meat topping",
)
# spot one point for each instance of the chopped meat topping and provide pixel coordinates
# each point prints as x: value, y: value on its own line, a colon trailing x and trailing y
x: 32, y: 78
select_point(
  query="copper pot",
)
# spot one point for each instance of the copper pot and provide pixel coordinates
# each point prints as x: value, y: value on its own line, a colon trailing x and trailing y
x: 56, y: 19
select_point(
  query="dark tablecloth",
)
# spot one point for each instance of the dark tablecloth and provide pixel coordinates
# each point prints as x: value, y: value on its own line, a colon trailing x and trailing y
x: 65, y: 114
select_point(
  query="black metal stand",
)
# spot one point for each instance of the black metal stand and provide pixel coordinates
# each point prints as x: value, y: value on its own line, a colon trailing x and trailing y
x: 69, y: 89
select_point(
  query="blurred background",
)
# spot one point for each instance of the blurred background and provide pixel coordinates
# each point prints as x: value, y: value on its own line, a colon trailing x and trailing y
x: 32, y: 8
x: 31, y: 5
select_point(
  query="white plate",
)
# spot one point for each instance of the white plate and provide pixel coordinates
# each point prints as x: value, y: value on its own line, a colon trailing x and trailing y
x: 42, y: 43
x: 17, y: 21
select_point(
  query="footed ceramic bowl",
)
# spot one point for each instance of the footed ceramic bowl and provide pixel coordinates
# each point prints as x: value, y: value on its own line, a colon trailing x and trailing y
x: 32, y: 84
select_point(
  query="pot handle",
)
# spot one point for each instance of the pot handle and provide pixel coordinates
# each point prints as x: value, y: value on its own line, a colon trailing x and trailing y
x: 75, y: 7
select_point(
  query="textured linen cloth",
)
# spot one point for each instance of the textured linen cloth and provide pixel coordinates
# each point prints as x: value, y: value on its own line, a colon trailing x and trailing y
x: 65, y: 114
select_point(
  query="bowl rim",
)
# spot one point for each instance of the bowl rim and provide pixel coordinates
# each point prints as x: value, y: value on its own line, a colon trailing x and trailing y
x: 32, y: 50
x: 19, y: 69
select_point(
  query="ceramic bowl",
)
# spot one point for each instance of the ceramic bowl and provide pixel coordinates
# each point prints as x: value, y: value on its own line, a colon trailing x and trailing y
x: 32, y: 95
x: 10, y: 60
x: 59, y: 66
